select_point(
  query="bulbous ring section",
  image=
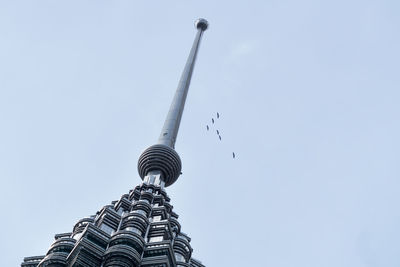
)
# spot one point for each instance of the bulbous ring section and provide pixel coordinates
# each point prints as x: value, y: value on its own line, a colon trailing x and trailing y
x: 201, y: 24
x: 160, y: 158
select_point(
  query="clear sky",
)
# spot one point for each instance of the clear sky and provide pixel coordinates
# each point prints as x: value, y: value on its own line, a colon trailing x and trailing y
x: 308, y: 93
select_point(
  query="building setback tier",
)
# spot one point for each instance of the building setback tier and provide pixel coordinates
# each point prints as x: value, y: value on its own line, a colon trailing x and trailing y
x: 140, y: 229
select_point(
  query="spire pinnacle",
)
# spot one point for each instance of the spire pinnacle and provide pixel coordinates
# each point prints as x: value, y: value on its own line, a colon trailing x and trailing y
x: 170, y: 129
x: 161, y: 159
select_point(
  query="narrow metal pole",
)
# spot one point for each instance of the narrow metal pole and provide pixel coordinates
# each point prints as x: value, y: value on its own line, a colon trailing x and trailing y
x: 170, y: 129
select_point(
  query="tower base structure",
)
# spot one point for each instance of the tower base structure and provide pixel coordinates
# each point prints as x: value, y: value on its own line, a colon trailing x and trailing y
x: 139, y: 229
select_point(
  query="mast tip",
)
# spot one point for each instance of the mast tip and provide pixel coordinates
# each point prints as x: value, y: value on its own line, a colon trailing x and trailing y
x: 201, y: 24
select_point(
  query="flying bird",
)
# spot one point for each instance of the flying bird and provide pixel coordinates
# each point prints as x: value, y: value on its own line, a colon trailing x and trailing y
x: 208, y: 128
x: 219, y: 137
x: 233, y: 154
x: 217, y: 132
x: 217, y: 115
x: 212, y: 119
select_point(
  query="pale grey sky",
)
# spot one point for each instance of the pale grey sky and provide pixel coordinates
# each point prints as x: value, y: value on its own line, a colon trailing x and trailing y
x: 308, y: 93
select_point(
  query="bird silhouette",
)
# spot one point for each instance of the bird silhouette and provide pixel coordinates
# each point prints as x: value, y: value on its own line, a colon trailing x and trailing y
x: 217, y: 115
x: 219, y: 137
x: 233, y: 154
x: 208, y: 128
x: 217, y: 132
x: 212, y: 120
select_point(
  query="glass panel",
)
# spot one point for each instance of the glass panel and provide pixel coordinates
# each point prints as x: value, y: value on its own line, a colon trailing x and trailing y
x: 77, y: 236
x: 156, y: 239
x: 140, y: 212
x: 179, y: 257
x: 133, y: 229
x: 107, y: 228
x: 157, y: 218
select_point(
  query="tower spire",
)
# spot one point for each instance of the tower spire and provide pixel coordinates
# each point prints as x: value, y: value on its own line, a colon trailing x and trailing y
x: 171, y: 125
x: 161, y: 160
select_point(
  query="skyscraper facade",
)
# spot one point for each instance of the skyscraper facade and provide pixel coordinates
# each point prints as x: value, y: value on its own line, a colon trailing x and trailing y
x: 141, y: 228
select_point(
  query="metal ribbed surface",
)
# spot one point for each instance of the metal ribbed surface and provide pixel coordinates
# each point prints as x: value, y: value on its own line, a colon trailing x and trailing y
x: 160, y: 158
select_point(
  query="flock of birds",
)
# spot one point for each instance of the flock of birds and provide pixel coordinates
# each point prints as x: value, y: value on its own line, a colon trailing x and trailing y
x: 219, y: 136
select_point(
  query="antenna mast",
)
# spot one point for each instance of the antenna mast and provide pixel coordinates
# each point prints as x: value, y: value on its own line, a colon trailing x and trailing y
x: 161, y: 159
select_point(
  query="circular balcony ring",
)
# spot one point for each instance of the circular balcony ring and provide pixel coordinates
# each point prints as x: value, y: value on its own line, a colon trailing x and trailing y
x: 121, y: 255
x: 160, y: 158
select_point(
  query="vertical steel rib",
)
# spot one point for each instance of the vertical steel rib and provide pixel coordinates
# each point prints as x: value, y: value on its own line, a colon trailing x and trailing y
x: 171, y: 125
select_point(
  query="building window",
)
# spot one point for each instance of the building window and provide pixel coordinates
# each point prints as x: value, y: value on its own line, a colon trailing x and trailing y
x: 77, y: 236
x: 145, y: 200
x: 134, y: 230
x: 157, y: 181
x: 156, y: 239
x: 120, y: 211
x: 107, y: 229
x: 179, y: 257
x: 140, y: 212
x: 157, y: 218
